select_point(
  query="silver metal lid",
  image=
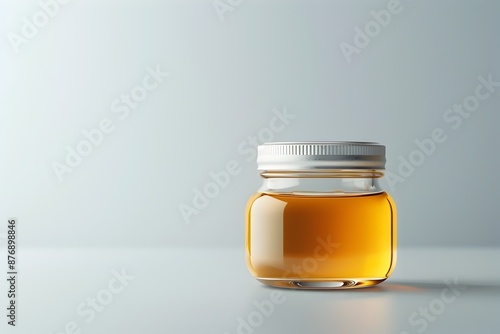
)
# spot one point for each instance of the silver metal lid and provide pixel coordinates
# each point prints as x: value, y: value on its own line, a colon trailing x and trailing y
x: 283, y: 156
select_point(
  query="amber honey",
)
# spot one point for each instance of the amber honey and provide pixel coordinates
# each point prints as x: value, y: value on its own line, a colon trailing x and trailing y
x: 321, y: 240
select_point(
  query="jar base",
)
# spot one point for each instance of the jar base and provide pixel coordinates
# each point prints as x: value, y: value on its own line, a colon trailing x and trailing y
x: 322, y: 284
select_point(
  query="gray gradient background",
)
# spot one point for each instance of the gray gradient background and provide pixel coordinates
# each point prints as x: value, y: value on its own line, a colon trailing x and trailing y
x: 226, y: 77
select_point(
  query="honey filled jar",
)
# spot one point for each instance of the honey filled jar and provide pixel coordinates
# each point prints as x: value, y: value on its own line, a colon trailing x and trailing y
x: 321, y: 219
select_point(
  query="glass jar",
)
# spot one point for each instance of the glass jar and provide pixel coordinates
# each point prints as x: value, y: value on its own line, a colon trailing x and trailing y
x: 320, y: 219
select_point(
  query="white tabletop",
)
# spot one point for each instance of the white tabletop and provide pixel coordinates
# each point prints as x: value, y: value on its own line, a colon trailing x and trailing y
x: 210, y: 291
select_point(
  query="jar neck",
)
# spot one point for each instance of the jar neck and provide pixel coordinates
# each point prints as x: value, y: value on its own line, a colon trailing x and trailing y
x: 324, y: 183
x: 325, y: 173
